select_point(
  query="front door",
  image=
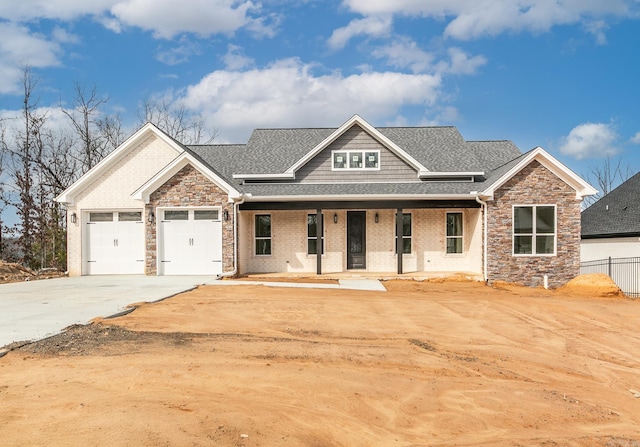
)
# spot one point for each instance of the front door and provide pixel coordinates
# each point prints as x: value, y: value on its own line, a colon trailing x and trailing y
x: 356, y: 239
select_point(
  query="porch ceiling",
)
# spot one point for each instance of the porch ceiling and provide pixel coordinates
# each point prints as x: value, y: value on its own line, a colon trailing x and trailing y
x: 358, y: 204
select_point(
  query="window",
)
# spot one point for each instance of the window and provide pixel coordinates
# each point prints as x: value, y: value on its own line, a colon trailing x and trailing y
x: 534, y: 230
x: 130, y: 216
x: 455, y: 237
x: 100, y: 217
x: 263, y: 234
x: 339, y: 160
x: 206, y: 215
x: 371, y: 160
x: 312, y: 234
x: 355, y: 160
x: 406, y: 234
x: 176, y: 215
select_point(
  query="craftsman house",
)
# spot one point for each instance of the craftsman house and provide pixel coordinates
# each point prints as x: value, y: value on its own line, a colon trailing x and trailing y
x: 353, y: 199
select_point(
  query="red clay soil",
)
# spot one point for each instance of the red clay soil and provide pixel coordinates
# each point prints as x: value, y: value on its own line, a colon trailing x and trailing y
x: 438, y: 363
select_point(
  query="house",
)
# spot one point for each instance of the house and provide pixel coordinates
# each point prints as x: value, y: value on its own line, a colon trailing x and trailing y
x: 328, y: 200
x: 611, y: 226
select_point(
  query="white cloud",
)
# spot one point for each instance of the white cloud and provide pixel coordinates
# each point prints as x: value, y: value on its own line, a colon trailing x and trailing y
x: 287, y: 93
x: 404, y: 53
x: 179, y: 54
x: 370, y: 26
x: 473, y: 19
x: 590, y: 140
x: 235, y: 59
x: 636, y: 138
x: 18, y: 48
x: 460, y: 63
x: 26, y: 10
x: 166, y: 18
x: 64, y: 37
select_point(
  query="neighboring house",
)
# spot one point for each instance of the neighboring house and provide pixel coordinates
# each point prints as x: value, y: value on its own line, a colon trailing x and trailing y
x: 611, y: 226
x: 481, y: 208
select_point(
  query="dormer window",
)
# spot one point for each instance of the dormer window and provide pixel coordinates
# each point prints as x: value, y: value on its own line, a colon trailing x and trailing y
x: 355, y: 160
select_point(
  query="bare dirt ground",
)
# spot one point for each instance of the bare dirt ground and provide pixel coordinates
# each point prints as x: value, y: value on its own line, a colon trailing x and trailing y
x: 426, y: 363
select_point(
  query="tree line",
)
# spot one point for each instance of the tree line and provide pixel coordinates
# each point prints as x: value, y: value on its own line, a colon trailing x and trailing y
x: 39, y: 160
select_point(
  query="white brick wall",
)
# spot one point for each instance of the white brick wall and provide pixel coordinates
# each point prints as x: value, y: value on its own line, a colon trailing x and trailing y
x: 112, y: 191
x: 289, y: 243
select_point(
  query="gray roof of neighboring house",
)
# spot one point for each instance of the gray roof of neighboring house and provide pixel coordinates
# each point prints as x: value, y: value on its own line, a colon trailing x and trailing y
x: 616, y: 214
x: 439, y: 149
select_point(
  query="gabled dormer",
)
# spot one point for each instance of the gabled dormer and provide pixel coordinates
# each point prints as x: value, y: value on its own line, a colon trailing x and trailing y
x: 356, y: 152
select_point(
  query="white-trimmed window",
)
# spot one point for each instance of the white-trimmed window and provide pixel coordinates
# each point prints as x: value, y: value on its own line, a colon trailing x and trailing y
x: 355, y: 160
x: 406, y: 234
x: 534, y: 230
x: 455, y: 233
x: 312, y: 234
x: 263, y: 234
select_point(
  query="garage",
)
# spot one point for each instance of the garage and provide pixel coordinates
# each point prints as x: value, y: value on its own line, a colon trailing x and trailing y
x: 189, y: 241
x: 114, y: 243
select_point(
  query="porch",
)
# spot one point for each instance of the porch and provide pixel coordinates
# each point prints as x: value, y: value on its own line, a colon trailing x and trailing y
x: 436, y: 238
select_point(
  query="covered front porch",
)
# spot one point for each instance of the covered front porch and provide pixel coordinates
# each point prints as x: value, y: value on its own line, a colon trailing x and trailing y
x: 437, y: 238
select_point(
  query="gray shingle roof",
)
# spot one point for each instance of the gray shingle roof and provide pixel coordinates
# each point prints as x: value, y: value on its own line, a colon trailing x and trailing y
x: 616, y: 214
x: 439, y: 149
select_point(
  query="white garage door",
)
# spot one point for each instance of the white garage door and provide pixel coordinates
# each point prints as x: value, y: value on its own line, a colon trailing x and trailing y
x: 190, y: 242
x: 114, y: 243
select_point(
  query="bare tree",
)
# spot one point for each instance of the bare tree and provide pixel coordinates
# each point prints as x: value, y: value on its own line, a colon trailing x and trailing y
x: 175, y: 120
x: 21, y: 149
x: 606, y: 177
x: 97, y: 134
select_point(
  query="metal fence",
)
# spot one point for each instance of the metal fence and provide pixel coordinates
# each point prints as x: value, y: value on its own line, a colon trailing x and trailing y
x: 625, y: 272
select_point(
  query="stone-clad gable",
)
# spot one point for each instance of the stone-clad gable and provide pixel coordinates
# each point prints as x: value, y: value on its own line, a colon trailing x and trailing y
x: 534, y: 185
x: 189, y: 188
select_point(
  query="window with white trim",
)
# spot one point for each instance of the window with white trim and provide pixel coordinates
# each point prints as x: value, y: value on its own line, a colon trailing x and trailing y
x: 312, y: 234
x: 263, y: 234
x: 455, y: 234
x: 355, y: 160
x: 406, y: 234
x: 534, y: 230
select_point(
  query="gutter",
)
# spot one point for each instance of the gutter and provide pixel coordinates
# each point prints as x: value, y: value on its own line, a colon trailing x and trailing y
x: 485, y: 245
x: 236, y: 212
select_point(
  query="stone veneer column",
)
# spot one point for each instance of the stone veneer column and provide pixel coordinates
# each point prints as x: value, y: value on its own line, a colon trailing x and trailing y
x: 534, y: 185
x: 189, y: 188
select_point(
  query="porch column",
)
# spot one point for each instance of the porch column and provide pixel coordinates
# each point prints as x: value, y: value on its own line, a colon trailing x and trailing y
x: 399, y: 240
x: 319, y: 245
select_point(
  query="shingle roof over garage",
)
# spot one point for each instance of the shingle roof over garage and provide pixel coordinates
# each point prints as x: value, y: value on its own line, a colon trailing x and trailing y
x: 616, y: 214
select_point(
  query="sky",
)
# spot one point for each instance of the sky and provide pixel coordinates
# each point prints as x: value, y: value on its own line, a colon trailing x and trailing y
x: 560, y: 74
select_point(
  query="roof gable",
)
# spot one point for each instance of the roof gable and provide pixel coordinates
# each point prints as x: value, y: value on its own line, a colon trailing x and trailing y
x: 68, y: 196
x: 186, y: 158
x: 510, y: 169
x: 368, y: 128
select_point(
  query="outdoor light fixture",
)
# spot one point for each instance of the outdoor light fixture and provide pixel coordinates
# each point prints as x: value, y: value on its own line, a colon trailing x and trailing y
x: 335, y: 218
x: 225, y: 214
x: 150, y: 217
x: 74, y: 218
x: 377, y: 219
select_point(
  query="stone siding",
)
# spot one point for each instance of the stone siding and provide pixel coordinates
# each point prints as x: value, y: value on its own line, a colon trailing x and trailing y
x: 189, y: 188
x: 534, y: 185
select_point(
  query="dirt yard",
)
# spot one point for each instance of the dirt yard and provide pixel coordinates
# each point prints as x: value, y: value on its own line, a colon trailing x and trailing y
x: 423, y: 364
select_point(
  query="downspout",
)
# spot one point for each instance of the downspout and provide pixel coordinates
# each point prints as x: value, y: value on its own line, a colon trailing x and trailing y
x: 485, y: 245
x: 235, y: 239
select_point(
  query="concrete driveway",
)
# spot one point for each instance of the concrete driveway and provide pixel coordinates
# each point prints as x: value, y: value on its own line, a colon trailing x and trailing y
x: 37, y: 309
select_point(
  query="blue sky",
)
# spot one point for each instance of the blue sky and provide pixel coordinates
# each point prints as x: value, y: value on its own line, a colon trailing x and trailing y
x: 558, y: 74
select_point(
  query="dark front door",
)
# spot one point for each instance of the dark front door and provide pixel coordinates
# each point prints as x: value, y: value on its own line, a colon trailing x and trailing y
x: 356, y: 239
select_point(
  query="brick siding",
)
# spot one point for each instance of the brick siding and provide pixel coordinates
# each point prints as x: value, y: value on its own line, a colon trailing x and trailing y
x: 534, y: 185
